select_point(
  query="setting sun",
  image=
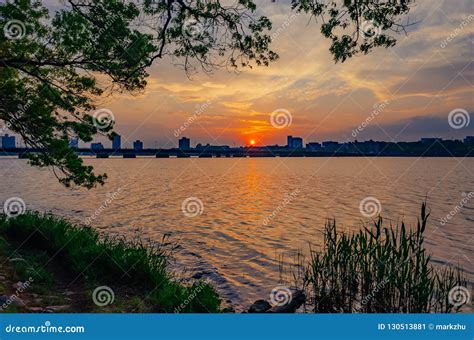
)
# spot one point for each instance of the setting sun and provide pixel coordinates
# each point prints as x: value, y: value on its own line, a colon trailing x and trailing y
x: 252, y: 142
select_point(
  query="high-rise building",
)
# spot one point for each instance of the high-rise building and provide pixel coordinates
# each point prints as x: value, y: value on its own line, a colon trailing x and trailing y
x: 138, y: 145
x: 289, y: 141
x: 74, y: 143
x: 294, y: 142
x: 184, y: 143
x: 8, y: 142
x: 117, y: 142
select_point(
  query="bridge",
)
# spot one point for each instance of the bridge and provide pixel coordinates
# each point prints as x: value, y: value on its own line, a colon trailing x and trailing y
x: 177, y: 153
x: 426, y: 151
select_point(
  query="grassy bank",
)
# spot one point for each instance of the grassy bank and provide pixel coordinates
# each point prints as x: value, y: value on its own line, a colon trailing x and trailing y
x: 48, y: 249
x: 382, y: 269
x: 59, y: 265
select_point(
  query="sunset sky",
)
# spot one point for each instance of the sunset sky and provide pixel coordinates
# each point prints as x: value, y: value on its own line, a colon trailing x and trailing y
x: 421, y: 80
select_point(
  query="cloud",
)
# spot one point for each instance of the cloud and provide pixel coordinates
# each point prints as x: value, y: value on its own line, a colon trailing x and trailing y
x: 413, y: 128
x: 422, y: 81
x: 434, y: 79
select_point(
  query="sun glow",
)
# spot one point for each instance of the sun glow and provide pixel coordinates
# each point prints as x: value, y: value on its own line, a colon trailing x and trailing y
x: 252, y: 142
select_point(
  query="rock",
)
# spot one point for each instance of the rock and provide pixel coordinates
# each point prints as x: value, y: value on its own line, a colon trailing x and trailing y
x: 17, y: 259
x: 57, y: 308
x: 36, y: 309
x: 298, y: 298
x: 259, y: 306
x: 228, y: 310
x: 11, y: 300
x: 17, y: 285
x: 3, y: 299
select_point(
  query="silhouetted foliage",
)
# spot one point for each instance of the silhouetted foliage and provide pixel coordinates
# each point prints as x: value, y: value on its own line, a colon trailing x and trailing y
x: 382, y: 269
x: 55, y: 62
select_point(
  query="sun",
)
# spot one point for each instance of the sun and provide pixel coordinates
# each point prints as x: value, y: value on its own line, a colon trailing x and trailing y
x: 252, y: 142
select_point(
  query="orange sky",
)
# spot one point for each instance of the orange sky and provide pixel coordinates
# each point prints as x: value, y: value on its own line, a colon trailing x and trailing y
x: 420, y: 80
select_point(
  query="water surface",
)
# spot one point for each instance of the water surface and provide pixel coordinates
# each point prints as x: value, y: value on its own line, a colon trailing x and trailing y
x: 257, y: 209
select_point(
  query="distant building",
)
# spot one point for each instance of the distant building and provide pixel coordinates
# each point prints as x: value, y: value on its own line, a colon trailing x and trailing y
x: 331, y: 145
x: 138, y: 145
x: 469, y: 140
x: 97, y: 146
x: 117, y: 142
x: 294, y: 142
x: 430, y: 140
x: 8, y: 142
x: 367, y: 147
x: 209, y: 147
x: 313, y: 146
x: 184, y: 143
x: 74, y: 143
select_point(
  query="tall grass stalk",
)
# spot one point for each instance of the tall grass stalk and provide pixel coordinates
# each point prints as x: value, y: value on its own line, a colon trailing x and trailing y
x: 379, y: 270
x: 114, y: 261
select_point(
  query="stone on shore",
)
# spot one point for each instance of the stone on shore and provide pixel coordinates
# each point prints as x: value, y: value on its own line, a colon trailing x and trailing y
x: 260, y: 306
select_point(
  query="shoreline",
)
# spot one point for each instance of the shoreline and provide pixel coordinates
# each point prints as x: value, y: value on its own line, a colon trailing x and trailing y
x: 52, y: 265
x: 71, y: 268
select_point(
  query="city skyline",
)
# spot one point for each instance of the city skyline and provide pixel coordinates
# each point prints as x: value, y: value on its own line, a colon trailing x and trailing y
x: 222, y: 157
x: 325, y: 100
x: 292, y: 142
x: 402, y: 93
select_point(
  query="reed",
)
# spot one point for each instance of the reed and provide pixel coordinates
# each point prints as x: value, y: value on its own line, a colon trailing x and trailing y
x: 379, y: 270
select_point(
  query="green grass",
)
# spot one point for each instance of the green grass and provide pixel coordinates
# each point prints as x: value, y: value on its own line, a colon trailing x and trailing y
x: 379, y: 270
x: 124, y: 265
